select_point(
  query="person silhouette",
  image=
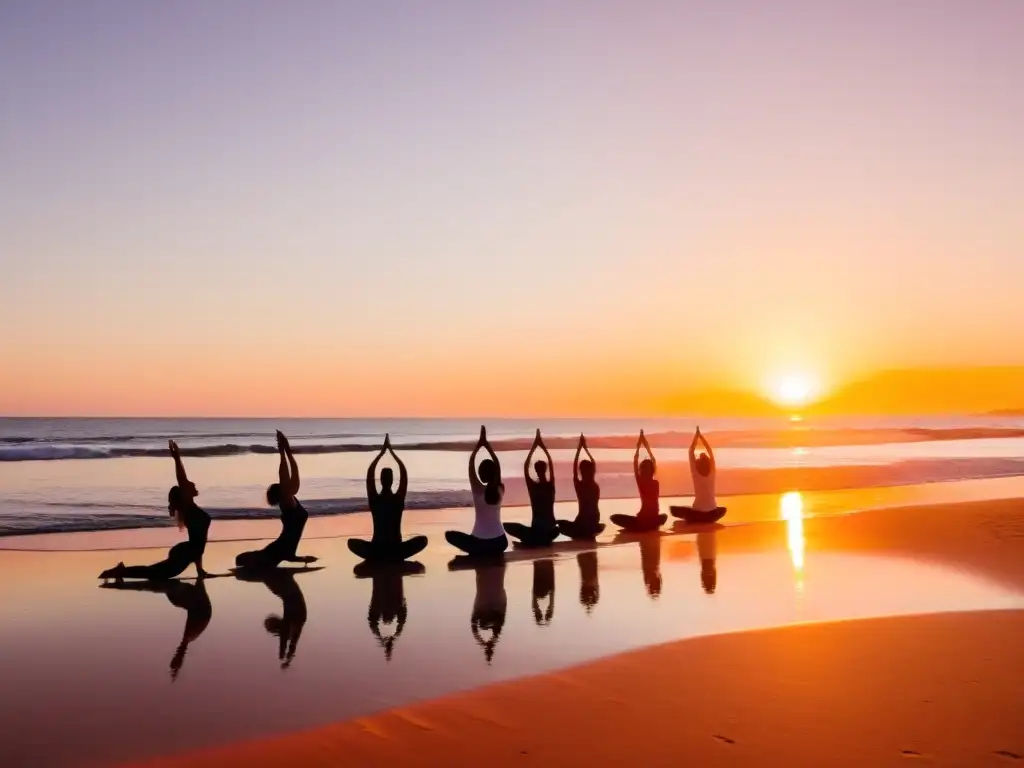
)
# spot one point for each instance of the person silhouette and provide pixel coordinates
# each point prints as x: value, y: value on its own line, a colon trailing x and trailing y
x: 590, y: 586
x: 387, y: 600
x: 587, y: 526
x: 707, y: 549
x: 287, y: 627
x: 293, y: 516
x: 542, y: 529
x: 543, y: 589
x: 488, y: 537
x: 386, y: 507
x: 649, y: 517
x: 192, y: 598
x: 703, y: 470
x: 183, y: 508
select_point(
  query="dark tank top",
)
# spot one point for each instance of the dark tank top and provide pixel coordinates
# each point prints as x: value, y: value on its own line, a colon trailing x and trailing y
x: 293, y: 523
x: 650, y: 492
x: 588, y: 495
x: 197, y: 523
x: 386, y: 512
x: 542, y: 503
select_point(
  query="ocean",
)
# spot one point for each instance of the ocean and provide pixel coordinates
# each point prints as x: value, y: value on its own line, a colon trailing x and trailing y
x: 82, y: 474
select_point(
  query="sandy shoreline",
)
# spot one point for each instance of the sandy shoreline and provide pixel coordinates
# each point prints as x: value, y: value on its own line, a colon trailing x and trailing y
x: 942, y: 689
x: 626, y: 616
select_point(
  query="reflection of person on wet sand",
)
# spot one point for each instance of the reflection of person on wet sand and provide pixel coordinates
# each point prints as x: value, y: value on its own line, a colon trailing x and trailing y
x: 650, y: 563
x: 590, y: 587
x: 287, y: 627
x: 192, y: 598
x: 387, y: 600
x: 489, y: 607
x: 543, y: 588
x: 707, y: 549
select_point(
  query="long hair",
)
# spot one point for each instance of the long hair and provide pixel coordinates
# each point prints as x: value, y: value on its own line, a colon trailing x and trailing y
x: 174, y: 505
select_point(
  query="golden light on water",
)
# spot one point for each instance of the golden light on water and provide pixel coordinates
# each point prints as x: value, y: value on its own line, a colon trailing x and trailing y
x: 792, y: 507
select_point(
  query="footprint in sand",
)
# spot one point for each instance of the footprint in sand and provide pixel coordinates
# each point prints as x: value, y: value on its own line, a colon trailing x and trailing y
x: 725, y: 739
x: 911, y: 753
x: 1008, y: 755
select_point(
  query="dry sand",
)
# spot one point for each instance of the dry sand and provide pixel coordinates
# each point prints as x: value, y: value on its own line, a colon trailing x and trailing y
x: 938, y: 690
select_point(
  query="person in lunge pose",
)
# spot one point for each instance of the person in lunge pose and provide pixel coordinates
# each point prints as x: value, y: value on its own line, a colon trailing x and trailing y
x: 649, y: 517
x: 542, y: 529
x: 293, y: 516
x: 183, y: 508
x: 386, y: 507
x: 587, y: 525
x: 488, y: 536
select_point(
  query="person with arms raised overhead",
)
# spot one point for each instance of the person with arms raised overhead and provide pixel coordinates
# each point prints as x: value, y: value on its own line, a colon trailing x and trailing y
x: 293, y: 516
x: 705, y: 508
x: 183, y: 508
x: 542, y: 529
x: 386, y: 507
x: 488, y: 537
x: 587, y: 526
x: 649, y: 518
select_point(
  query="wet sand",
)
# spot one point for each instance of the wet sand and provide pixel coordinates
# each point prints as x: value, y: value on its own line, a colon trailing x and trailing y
x: 102, y: 678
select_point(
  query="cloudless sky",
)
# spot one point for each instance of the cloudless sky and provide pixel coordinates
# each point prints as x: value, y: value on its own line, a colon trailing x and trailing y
x: 393, y: 208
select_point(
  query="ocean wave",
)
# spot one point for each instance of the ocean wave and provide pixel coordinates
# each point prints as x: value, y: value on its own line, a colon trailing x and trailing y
x: 33, y: 449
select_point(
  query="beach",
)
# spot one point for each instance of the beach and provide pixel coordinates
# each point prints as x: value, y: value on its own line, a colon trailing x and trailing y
x: 820, y: 617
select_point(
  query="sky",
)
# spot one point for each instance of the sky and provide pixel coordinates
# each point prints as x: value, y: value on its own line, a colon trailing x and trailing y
x: 530, y: 208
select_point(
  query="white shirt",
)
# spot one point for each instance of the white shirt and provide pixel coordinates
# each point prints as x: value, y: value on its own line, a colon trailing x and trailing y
x: 488, y: 516
x: 703, y: 490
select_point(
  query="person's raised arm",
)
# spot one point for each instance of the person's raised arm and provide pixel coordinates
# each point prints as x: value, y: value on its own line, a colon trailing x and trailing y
x: 283, y: 475
x: 693, y: 449
x: 590, y: 455
x: 636, y: 456
x: 711, y: 453
x: 529, y: 455
x: 576, y: 460
x: 474, y: 479
x: 371, y: 473
x: 547, y: 455
x: 403, y: 473
x: 179, y: 467
x: 493, y: 456
x: 294, y: 468
x: 650, y: 453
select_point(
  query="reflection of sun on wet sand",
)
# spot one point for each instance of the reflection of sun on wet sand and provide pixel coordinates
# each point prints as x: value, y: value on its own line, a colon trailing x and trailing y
x: 792, y: 505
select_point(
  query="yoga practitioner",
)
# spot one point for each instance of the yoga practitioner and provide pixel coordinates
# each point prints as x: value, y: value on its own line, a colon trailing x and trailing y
x: 542, y: 529
x: 649, y: 517
x: 590, y: 586
x: 702, y: 469
x: 192, y: 598
x: 293, y: 516
x: 183, y: 508
x: 387, y: 599
x: 543, y: 588
x: 707, y: 549
x: 386, y: 507
x: 587, y: 525
x: 488, y: 537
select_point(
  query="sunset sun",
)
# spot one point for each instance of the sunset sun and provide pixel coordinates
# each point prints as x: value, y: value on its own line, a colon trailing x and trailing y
x: 793, y: 389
